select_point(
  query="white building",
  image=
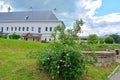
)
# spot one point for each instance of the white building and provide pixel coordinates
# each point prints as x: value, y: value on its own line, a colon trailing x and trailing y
x: 40, y: 23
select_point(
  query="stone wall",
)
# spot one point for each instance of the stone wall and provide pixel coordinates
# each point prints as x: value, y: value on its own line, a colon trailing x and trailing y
x: 104, y: 57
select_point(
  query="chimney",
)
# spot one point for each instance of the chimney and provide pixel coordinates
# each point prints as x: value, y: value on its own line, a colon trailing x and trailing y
x: 31, y: 8
x: 9, y: 9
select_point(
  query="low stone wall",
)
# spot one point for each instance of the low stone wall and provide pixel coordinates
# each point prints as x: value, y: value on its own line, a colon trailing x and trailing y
x: 104, y: 57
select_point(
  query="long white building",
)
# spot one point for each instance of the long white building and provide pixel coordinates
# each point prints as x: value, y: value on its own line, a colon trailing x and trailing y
x: 27, y: 23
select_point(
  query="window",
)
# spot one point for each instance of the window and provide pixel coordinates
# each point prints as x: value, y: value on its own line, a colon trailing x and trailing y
x: 2, y: 29
x: 46, y: 29
x: 45, y: 39
x: 11, y: 28
x: 19, y: 28
x: 23, y: 28
x: 50, y: 28
x: 49, y: 39
x: 39, y: 29
x: 7, y: 28
x: 32, y: 28
x: 27, y: 29
x: 15, y: 28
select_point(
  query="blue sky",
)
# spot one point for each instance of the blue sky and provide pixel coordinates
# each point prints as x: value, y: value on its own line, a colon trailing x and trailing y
x: 101, y: 16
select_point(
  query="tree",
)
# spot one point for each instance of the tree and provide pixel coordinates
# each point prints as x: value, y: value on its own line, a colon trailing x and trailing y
x: 116, y: 38
x: 77, y: 26
x: 59, y: 32
x: 69, y: 31
x: 109, y: 40
x: 93, y: 39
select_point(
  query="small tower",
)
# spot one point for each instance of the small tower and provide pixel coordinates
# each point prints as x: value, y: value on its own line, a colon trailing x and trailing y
x: 9, y: 9
x: 31, y: 8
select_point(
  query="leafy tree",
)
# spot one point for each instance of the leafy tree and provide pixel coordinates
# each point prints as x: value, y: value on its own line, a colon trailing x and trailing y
x: 93, y: 39
x: 116, y: 38
x: 69, y: 31
x: 59, y: 32
x: 109, y: 40
x: 14, y: 36
x: 77, y: 26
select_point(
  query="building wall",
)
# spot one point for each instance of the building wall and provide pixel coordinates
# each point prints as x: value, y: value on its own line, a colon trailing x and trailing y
x: 35, y: 25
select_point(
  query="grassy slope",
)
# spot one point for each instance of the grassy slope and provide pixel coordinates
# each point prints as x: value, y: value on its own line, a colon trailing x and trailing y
x: 14, y: 65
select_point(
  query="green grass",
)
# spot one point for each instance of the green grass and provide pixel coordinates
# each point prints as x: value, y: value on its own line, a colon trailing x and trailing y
x: 100, y: 73
x: 15, y: 65
x: 99, y: 47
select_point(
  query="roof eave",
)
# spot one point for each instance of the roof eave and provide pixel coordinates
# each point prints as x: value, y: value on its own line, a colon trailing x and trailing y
x: 7, y: 21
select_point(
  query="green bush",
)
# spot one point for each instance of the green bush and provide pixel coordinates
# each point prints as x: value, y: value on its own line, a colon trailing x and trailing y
x: 3, y: 36
x: 43, y: 41
x: 116, y: 38
x: 62, y: 62
x: 109, y: 40
x: 93, y: 39
x: 101, y: 41
x: 14, y: 36
x: 63, y: 59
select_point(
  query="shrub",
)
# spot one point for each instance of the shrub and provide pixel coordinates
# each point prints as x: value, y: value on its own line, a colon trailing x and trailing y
x: 116, y: 38
x: 109, y: 40
x: 62, y: 62
x: 14, y: 36
x: 93, y: 39
x: 3, y: 36
x: 43, y: 41
x: 101, y: 41
x: 63, y: 59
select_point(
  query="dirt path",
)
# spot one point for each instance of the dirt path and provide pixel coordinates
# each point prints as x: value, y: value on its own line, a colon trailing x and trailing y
x: 116, y: 76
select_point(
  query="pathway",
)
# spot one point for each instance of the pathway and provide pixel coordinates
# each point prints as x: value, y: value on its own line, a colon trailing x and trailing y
x: 116, y: 76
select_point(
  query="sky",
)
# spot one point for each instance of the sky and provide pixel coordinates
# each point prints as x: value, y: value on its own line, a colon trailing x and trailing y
x: 101, y: 17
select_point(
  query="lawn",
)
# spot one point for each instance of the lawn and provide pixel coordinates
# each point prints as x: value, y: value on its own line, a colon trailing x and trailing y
x: 15, y: 64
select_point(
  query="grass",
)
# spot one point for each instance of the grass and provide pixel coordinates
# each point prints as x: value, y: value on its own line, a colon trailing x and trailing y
x: 15, y: 65
x: 99, y: 47
x: 100, y: 73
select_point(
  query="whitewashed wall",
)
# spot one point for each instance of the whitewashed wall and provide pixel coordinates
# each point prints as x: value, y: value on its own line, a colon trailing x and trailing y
x: 36, y: 24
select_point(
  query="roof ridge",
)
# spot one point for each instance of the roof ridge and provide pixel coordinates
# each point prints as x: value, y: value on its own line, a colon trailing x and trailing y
x: 26, y: 11
x: 33, y: 15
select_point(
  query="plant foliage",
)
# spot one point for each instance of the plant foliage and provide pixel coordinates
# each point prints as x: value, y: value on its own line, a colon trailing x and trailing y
x: 93, y: 39
x: 63, y: 62
x: 3, y: 36
x: 14, y: 36
x: 109, y: 40
x: 63, y: 59
x: 116, y: 38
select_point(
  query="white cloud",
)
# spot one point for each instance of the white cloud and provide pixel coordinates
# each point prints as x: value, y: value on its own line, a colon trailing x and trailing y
x: 100, y: 25
x: 4, y: 7
x: 87, y: 7
x: 46, y: 2
x: 113, y: 17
